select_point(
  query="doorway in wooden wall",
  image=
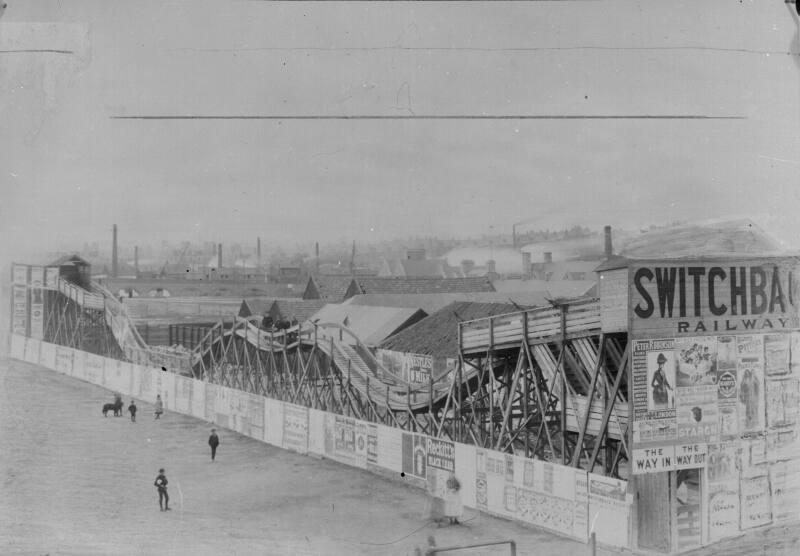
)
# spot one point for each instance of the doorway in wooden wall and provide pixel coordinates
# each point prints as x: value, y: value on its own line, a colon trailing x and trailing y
x: 687, y: 503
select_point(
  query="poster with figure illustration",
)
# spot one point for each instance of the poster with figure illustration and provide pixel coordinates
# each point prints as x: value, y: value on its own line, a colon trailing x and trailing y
x: 695, y: 361
x: 653, y: 391
x: 750, y: 371
x: 783, y: 397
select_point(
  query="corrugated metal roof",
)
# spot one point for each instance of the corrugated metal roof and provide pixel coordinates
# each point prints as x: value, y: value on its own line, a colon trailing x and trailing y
x: 372, y: 325
x: 437, y: 334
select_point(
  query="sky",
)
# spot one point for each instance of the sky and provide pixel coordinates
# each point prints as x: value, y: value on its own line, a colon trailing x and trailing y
x: 70, y: 167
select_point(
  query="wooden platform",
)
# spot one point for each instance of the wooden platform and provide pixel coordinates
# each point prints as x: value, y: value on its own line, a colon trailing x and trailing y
x: 581, y: 318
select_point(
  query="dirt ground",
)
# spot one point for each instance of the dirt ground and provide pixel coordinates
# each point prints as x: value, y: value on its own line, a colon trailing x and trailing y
x: 75, y: 482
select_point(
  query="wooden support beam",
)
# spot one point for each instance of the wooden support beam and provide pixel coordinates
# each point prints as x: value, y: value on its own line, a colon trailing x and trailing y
x: 607, y: 413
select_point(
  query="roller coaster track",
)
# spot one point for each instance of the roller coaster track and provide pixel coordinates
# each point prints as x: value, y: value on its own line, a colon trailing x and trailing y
x: 353, y: 362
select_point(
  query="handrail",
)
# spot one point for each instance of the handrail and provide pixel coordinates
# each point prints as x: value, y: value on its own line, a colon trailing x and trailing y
x: 436, y: 549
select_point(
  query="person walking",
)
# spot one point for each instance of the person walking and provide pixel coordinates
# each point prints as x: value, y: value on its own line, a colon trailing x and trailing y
x: 159, y: 406
x: 161, y: 484
x: 132, y: 411
x: 213, y: 441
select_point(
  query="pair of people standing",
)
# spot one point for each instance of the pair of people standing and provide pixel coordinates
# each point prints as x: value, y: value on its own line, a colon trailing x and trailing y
x: 161, y: 480
x: 159, y: 409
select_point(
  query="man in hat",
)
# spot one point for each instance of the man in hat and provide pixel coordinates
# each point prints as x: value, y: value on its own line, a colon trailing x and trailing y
x: 213, y: 441
x: 161, y: 484
x: 660, y: 384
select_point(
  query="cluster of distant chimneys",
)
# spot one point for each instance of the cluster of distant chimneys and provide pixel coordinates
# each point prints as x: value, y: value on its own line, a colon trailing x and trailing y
x: 608, y: 252
x: 412, y: 254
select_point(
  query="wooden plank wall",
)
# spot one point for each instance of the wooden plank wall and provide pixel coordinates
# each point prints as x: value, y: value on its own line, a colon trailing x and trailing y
x: 614, y: 300
x: 654, y: 511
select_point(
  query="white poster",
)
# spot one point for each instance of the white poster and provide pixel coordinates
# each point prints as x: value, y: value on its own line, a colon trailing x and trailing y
x: 32, y: 351
x: 199, y: 400
x: 93, y: 368
x: 316, y: 432
x: 609, y: 510
x: 47, y: 356
x: 273, y: 422
x: 295, y: 428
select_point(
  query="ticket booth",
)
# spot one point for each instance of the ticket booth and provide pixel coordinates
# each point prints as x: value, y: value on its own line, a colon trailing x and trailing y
x: 713, y: 391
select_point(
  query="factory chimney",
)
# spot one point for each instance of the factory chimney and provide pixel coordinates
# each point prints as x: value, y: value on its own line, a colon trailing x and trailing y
x: 219, y: 258
x: 114, y: 267
x: 136, y: 259
x: 258, y: 252
x: 316, y: 252
x: 609, y: 250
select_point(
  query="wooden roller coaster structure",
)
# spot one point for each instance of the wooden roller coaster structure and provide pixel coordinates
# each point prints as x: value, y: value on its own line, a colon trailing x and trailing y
x: 545, y: 383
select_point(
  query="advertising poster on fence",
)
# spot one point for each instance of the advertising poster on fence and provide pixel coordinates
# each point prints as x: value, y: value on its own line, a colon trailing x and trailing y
x: 727, y: 388
x: 653, y: 387
x: 64, y: 360
x: 755, y: 502
x: 723, y: 511
x: 316, y: 432
x: 776, y: 355
x: 499, y: 498
x: 238, y: 414
x: 199, y: 399
x: 372, y: 444
x: 784, y: 482
x: 390, y: 448
x: 19, y: 308
x: 361, y: 444
x: 415, y: 459
x: 441, y: 454
x: 147, y: 386
x: 37, y: 277
x: 465, y: 472
x: 783, y: 399
x: 609, y: 509
x: 222, y: 406
x: 183, y: 394
x: 295, y: 428
x: 94, y: 366
x: 783, y: 444
x: 37, y: 313
x: 481, y: 487
x: 750, y: 370
x: 580, y: 525
x: 255, y: 416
